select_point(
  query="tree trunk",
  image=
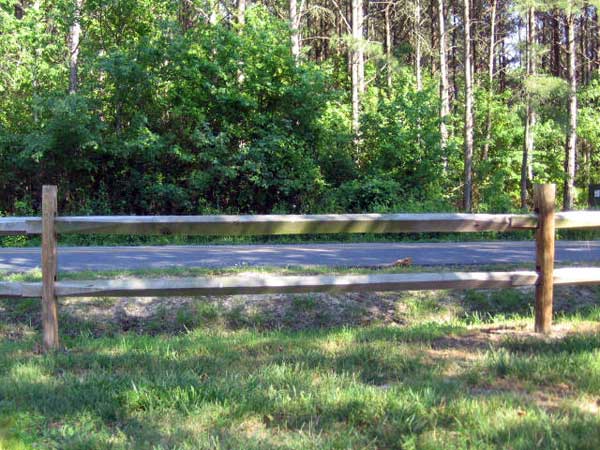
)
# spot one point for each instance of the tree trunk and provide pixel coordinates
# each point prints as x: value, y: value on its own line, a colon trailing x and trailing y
x: 596, y: 40
x: 491, y: 57
x: 454, y: 55
x: 186, y: 15
x: 74, y: 46
x: 358, y: 64
x: 468, y: 130
x: 444, y: 84
x: 388, y: 45
x: 241, y: 18
x: 418, y: 73
x: 587, y: 53
x: 556, y: 67
x: 502, y: 60
x: 433, y: 45
x: 530, y: 117
x: 241, y: 11
x: 571, y: 143
x: 19, y: 9
x: 295, y: 29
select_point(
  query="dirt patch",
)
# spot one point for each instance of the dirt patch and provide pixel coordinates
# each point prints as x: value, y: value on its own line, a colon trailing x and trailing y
x: 263, y: 311
x: 552, y: 398
x: 491, y: 337
x: 305, y: 311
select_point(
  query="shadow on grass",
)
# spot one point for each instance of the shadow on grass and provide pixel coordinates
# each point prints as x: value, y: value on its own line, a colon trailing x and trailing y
x: 236, y: 387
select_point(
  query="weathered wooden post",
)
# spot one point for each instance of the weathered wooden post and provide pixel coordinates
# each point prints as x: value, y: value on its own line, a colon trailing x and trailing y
x: 49, y: 269
x: 544, y: 199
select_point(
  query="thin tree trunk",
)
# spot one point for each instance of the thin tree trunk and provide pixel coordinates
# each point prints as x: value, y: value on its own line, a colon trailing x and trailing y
x: 587, y: 155
x: 596, y: 62
x: 530, y: 117
x: 444, y: 84
x: 388, y: 45
x: 295, y: 29
x: 185, y: 14
x: 491, y: 57
x: 358, y: 65
x: 432, y: 16
x: 468, y: 130
x: 474, y: 35
x: 571, y: 142
x: 241, y: 11
x: 74, y: 46
x: 454, y: 48
x: 418, y: 73
x: 19, y: 9
x: 556, y: 66
x: 586, y: 47
x: 241, y: 18
x: 503, y: 62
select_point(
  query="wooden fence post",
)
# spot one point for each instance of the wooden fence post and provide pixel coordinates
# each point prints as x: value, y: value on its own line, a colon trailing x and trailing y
x: 49, y: 269
x: 544, y: 199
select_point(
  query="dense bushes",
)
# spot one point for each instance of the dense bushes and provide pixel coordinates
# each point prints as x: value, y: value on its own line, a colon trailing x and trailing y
x: 218, y: 118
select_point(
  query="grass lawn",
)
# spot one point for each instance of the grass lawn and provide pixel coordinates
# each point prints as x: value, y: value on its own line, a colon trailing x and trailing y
x: 387, y: 370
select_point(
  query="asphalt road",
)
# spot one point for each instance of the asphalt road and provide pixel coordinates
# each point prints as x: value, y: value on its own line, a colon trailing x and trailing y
x: 115, y: 258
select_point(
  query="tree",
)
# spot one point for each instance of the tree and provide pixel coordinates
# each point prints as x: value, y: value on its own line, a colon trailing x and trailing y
x: 295, y: 16
x: 388, y: 43
x: 468, y: 125
x: 74, y: 47
x: 530, y: 117
x: 357, y: 56
x: 444, y: 84
x: 491, y: 59
x: 417, y: 32
x: 241, y: 11
x: 571, y: 141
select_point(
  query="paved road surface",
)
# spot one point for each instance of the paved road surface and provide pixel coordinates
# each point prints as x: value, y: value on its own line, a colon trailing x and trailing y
x: 112, y: 258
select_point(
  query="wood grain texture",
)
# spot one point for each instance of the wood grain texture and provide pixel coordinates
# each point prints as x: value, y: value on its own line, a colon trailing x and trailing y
x: 294, y: 224
x: 255, y: 283
x: 544, y: 198
x: 49, y: 269
x: 265, y: 284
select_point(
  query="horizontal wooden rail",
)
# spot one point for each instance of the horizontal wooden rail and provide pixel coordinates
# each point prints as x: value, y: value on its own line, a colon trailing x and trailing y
x: 274, y: 224
x: 577, y: 219
x: 254, y: 283
x: 20, y: 225
x: 296, y: 224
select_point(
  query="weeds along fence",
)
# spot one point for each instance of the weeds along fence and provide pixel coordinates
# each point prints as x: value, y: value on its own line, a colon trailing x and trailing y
x: 544, y: 221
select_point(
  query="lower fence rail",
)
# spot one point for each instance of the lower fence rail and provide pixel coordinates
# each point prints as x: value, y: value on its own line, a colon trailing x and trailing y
x: 294, y: 284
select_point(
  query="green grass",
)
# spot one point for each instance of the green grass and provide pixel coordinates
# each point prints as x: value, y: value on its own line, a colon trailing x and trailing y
x: 444, y: 370
x: 134, y: 240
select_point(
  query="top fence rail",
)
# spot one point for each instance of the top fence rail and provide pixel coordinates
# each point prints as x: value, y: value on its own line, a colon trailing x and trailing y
x: 224, y: 225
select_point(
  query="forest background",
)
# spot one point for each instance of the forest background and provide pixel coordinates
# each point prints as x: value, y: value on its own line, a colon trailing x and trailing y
x: 299, y: 106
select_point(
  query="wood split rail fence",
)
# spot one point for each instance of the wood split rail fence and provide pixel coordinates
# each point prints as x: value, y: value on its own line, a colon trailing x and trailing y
x: 544, y: 220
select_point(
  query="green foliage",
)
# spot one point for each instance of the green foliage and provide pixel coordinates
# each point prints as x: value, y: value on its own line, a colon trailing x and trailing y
x: 174, y: 117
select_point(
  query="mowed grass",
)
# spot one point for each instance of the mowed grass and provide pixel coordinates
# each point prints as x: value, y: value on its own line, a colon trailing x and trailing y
x: 446, y: 370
